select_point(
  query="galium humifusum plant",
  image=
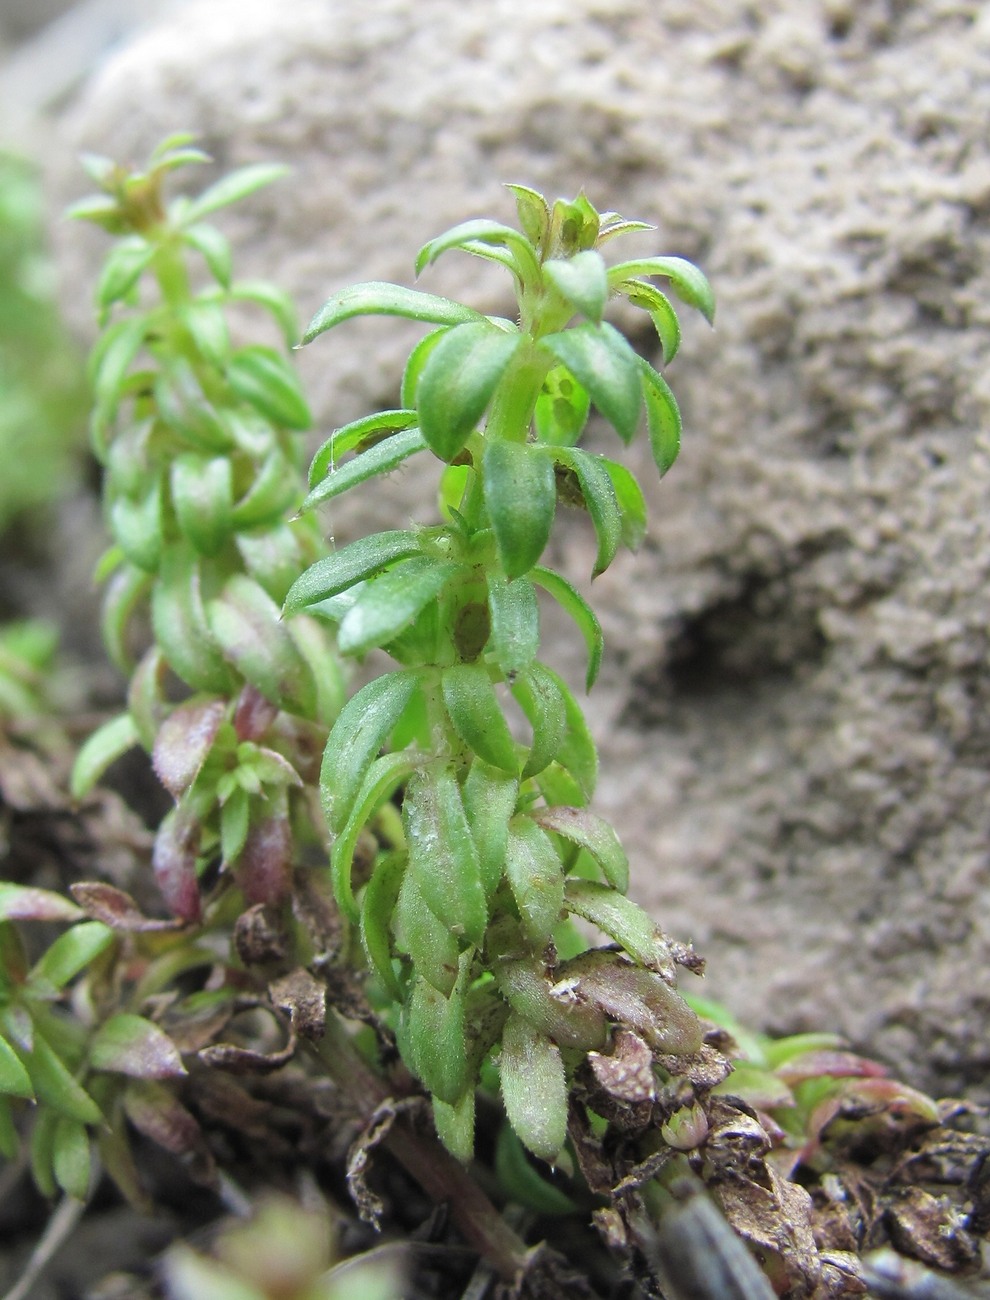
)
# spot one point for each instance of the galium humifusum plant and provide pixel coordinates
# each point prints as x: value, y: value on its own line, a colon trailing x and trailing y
x: 466, y: 923
x: 199, y: 440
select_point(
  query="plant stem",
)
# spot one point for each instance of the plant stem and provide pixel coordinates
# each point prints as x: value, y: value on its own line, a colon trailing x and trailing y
x: 423, y: 1158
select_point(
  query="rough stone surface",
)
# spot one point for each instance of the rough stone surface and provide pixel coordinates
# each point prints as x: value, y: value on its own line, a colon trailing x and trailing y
x: 795, y: 719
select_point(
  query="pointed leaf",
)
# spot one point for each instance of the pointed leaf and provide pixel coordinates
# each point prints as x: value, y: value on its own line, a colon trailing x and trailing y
x: 358, y: 734
x: 181, y: 627
x: 455, y: 1125
x: 69, y: 954
x: 202, y: 495
x: 351, y: 564
x: 379, y: 459
x: 122, y: 270
x: 207, y: 325
x: 381, y: 781
x: 520, y: 494
x: 643, y: 294
x: 536, y: 877
x: 360, y: 436
x: 483, y: 231
x: 129, y: 1044
x: 663, y: 418
x: 232, y: 188
x: 377, y: 906
x: 215, y: 249
x: 245, y: 623
x: 264, y: 378
x: 476, y: 717
x: 70, y: 1158
x: 376, y: 298
x: 443, y: 859
x: 632, y: 506
x: 603, y: 363
x: 581, y: 281
x: 457, y: 382
x: 593, y: 834
x: 598, y: 497
x: 418, y: 357
x: 534, y: 1088
x: 571, y: 600
x: 173, y: 860
x: 136, y: 525
x: 686, y: 280
x: 515, y: 623
x: 273, y: 492
x: 25, y: 903
x: 55, y: 1085
x: 489, y: 801
x: 100, y: 751
x: 435, y: 1034
x: 14, y: 1079
x: 622, y: 920
x: 534, y: 213
x: 390, y: 602
x: 542, y: 700
x: 421, y: 934
x: 277, y: 303
x: 183, y: 742
x: 114, y: 908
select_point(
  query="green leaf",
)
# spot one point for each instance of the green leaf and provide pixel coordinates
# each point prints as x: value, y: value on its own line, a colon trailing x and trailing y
x: 458, y: 380
x: 245, y: 623
x: 534, y: 213
x: 686, y: 280
x: 574, y: 225
x: 207, y: 327
x: 264, y: 378
x: 663, y: 419
x: 622, y: 920
x: 521, y: 1181
x: 561, y: 410
x: 10, y: 1142
x: 598, y: 496
x: 274, y: 491
x: 418, y: 357
x: 455, y: 1125
x: 70, y: 1158
x: 483, y: 231
x: 534, y: 1088
x: 521, y: 497
x: 101, y: 750
x: 215, y: 249
x: 351, y: 564
x: 108, y: 368
x: 536, y: 877
x: 129, y: 1044
x: 232, y: 188
x: 41, y: 1141
x: 69, y: 954
x: 592, y: 833
x: 202, y: 494
x: 435, y: 1034
x: 632, y: 506
x: 183, y: 406
x: 376, y: 298
x: 180, y: 626
x: 424, y: 938
x: 370, y: 430
x: 272, y: 556
x: 136, y: 524
x: 573, y: 603
x: 515, y: 623
x: 381, y: 780
x: 576, y: 751
x: 643, y: 294
x: 473, y: 708
x: 541, y: 699
x: 381, y: 459
x: 489, y: 801
x: 581, y: 281
x: 358, y: 734
x: 377, y: 905
x: 122, y: 270
x: 14, y: 1079
x: 235, y: 816
x: 389, y: 603
x: 603, y: 363
x: 275, y: 301
x: 443, y: 858
x: 55, y: 1086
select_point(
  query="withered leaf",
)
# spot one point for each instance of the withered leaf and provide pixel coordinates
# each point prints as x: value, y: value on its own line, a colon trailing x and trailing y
x: 116, y: 908
x: 304, y: 999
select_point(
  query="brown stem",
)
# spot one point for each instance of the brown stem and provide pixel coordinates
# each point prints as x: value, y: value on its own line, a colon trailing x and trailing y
x: 442, y: 1178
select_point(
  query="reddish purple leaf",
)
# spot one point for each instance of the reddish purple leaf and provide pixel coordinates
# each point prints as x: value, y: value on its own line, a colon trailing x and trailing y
x: 173, y: 859
x: 812, y: 1065
x: 22, y: 903
x: 115, y: 908
x: 183, y: 742
x: 264, y: 869
x: 128, y: 1044
x: 160, y: 1116
x: 253, y: 714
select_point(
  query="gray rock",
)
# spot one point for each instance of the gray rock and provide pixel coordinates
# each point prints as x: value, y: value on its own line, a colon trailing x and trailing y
x: 795, y: 717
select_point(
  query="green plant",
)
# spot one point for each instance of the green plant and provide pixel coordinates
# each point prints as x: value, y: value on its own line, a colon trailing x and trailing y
x: 465, y: 922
